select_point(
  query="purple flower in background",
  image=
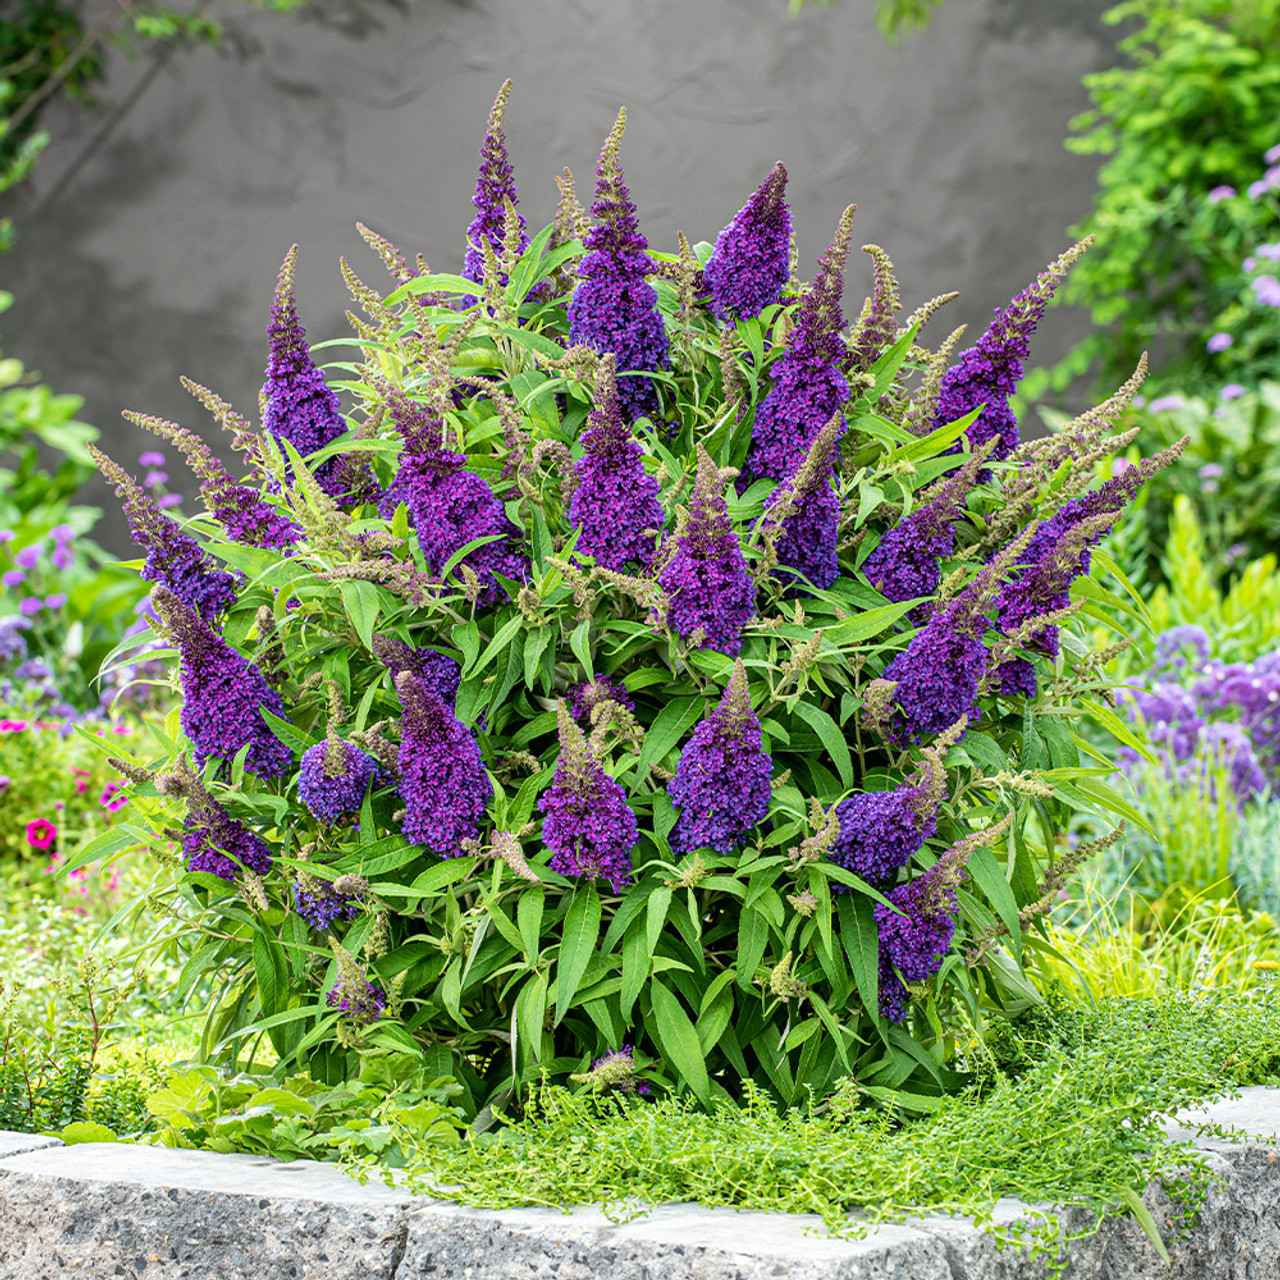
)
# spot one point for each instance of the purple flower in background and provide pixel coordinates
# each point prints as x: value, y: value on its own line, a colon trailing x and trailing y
x: 808, y: 384
x: 62, y: 557
x: 988, y: 373
x: 437, y: 672
x: 333, y: 779
x: 169, y: 500
x: 710, y: 592
x: 615, y: 501
x: 1171, y: 647
x: 1218, y: 342
x: 1220, y: 193
x: 1269, y: 251
x: 153, y: 479
x: 1232, y: 391
x: 55, y: 601
x: 1273, y: 155
x: 494, y: 187
x: 1259, y: 189
x: 587, y: 823
x: 1267, y: 290
x: 31, y: 605
x: 29, y: 557
x: 151, y: 458
x: 721, y: 787
x: 614, y: 308
x: 1162, y: 404
x: 442, y: 778
x: 300, y: 406
x: 7, y: 535
x: 12, y: 644
x: 1209, y: 475
x: 222, y: 694
x: 584, y: 698
x: 174, y: 559
x: 880, y: 831
x: 13, y: 578
x: 450, y: 507
x: 752, y: 258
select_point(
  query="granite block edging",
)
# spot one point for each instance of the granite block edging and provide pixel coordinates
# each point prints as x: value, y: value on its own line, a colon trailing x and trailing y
x: 151, y: 1213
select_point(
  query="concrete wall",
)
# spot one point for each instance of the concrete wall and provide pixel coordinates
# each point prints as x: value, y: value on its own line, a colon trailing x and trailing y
x: 150, y: 237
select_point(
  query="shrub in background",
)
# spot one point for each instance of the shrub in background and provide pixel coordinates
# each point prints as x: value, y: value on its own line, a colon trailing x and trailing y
x: 620, y: 695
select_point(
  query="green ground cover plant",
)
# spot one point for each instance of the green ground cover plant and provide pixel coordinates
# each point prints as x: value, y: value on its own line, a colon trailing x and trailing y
x: 647, y: 678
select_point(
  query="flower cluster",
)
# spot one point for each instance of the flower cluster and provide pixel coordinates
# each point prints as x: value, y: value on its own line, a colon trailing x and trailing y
x: 321, y: 902
x: 495, y: 190
x: 333, y: 779
x: 359, y: 1000
x: 752, y: 257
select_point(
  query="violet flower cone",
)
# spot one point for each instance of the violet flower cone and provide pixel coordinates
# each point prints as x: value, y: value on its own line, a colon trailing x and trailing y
x: 615, y: 500
x: 584, y: 698
x: 220, y: 845
x: 222, y: 694
x: 333, y: 779
x: 437, y: 671
x: 751, y: 261
x: 614, y: 308
x: 443, y: 781
x: 494, y: 187
x: 174, y: 559
x: 808, y: 385
x: 300, y: 406
x: 706, y: 580
x: 587, y: 823
x: 807, y: 547
x: 721, y: 786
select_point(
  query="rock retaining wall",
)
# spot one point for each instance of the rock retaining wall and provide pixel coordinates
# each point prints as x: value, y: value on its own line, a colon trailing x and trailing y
x: 104, y: 1210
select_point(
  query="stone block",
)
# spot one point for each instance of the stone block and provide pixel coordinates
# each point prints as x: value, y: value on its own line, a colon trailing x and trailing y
x: 14, y: 1144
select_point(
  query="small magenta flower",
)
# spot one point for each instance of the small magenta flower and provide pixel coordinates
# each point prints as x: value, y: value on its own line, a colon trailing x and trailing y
x: 712, y: 597
x: 113, y: 797
x: 587, y: 823
x: 41, y: 834
x: 1165, y: 404
x: 752, y: 258
x: 30, y: 606
x: 29, y: 557
x: 151, y: 458
x: 1267, y: 290
x: 494, y: 188
x: 7, y: 535
x: 1218, y: 342
x: 169, y: 500
x: 614, y: 308
x: 615, y: 500
x: 13, y: 578
x: 721, y: 787
x: 1232, y: 391
x: 55, y: 601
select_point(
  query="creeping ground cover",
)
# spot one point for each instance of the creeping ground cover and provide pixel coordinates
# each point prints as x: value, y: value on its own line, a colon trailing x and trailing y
x: 626, y: 669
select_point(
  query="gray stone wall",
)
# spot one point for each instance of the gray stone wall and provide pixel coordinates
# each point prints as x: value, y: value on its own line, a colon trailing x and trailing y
x: 150, y: 236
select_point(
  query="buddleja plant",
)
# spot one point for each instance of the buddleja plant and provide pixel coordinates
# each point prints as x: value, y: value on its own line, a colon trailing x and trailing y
x: 650, y: 681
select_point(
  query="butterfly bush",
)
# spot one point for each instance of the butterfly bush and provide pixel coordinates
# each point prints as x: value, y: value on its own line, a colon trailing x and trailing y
x: 642, y: 672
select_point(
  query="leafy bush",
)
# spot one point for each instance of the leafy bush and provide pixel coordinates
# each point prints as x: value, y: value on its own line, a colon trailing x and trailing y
x: 757, y: 616
x: 1193, y: 112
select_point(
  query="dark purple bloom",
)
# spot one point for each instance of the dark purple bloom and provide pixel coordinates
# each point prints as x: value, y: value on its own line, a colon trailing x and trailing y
x: 752, y: 258
x: 615, y: 500
x: 300, y: 406
x: 353, y: 995
x: 222, y: 694
x: 494, y: 187
x: 217, y: 843
x: 807, y: 547
x: 880, y: 831
x: 877, y: 326
x: 437, y: 671
x: 442, y: 778
x: 721, y: 787
x: 587, y: 823
x: 706, y: 580
x: 174, y: 558
x: 584, y: 698
x: 614, y: 308
x: 320, y: 902
x: 988, y: 373
x: 893, y: 996
x: 450, y: 507
x: 1016, y: 676
x: 333, y: 779
x: 808, y: 385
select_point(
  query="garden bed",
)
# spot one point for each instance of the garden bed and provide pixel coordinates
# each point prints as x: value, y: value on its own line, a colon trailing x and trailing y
x: 120, y: 1210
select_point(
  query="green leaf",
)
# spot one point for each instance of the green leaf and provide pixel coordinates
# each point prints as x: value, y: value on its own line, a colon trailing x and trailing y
x: 985, y: 872
x: 1144, y: 1219
x: 113, y: 840
x: 832, y: 738
x: 580, y: 643
x: 577, y: 945
x: 861, y: 941
x: 292, y: 737
x: 495, y: 646
x: 868, y: 623
x: 529, y: 910
x: 363, y: 606
x: 669, y: 726
x: 678, y: 1040
x: 635, y: 966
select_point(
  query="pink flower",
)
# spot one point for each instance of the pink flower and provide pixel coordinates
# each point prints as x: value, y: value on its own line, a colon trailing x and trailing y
x: 12, y: 726
x: 113, y: 797
x: 41, y: 833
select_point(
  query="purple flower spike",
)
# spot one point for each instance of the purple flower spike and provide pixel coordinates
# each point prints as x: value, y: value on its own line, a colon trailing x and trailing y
x: 615, y: 501
x: 587, y: 823
x: 334, y: 778
x: 495, y: 186
x: 174, y: 559
x: 438, y: 672
x: 442, y: 778
x: 988, y: 373
x: 808, y: 384
x: 880, y: 831
x: 221, y: 693
x: 614, y: 308
x: 353, y: 995
x: 448, y: 506
x: 752, y: 258
x: 711, y: 593
x: 584, y: 698
x: 721, y: 785
x: 301, y: 407
x: 218, y: 844
x: 320, y: 902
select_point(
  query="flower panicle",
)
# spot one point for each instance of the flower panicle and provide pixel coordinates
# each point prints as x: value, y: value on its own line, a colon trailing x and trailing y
x: 876, y: 329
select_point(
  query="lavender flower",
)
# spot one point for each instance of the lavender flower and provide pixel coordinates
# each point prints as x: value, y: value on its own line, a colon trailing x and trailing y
x: 587, y: 823
x: 721, y: 786
x: 880, y: 831
x: 1218, y: 342
x: 437, y: 672
x: 174, y: 559
x: 614, y: 308
x: 989, y: 372
x: 494, y: 188
x: 320, y: 902
x: 615, y: 500
x: 1220, y: 193
x: 300, y: 406
x: 448, y: 506
x: 584, y: 698
x: 752, y: 258
x: 710, y: 590
x: 218, y: 844
x: 808, y: 385
x: 222, y: 694
x: 442, y: 778
x: 1232, y: 391
x: 12, y: 643
x: 29, y: 557
x: 616, y: 1071
x: 353, y: 995
x: 334, y: 778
